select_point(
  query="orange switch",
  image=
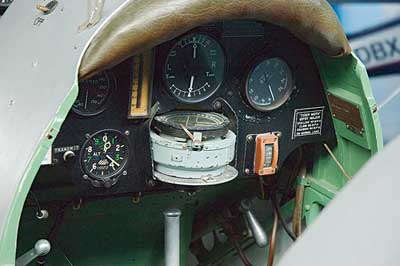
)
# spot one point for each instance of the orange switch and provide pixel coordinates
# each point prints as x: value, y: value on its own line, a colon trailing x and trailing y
x: 266, y: 154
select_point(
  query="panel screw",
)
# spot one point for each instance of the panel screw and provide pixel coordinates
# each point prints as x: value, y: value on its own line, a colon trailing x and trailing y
x: 137, y: 198
x: 124, y: 172
x: 151, y: 183
x: 11, y: 103
x: 127, y: 132
x: 217, y: 105
x: 247, y: 171
x: 42, y: 214
x: 249, y: 138
x: 87, y: 135
x: 85, y: 177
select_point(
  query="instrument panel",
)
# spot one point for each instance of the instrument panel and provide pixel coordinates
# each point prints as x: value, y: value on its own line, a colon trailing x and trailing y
x: 257, y: 79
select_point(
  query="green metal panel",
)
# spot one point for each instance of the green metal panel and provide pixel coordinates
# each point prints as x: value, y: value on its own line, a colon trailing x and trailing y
x: 8, y: 243
x: 117, y: 231
x: 347, y: 79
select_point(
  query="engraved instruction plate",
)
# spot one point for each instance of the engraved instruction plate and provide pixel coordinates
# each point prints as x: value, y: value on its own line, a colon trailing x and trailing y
x: 347, y: 112
x: 307, y: 122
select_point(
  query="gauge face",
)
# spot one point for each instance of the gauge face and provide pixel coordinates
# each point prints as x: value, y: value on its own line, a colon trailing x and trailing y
x: 93, y: 95
x: 269, y: 84
x: 175, y: 123
x: 105, y: 155
x: 195, y: 68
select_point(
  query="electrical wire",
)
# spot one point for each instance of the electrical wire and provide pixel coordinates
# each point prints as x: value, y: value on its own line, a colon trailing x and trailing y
x: 298, y: 203
x: 241, y: 254
x: 389, y: 99
x: 281, y: 220
x: 271, y: 252
x: 293, y: 176
x: 38, y: 208
x: 58, y: 222
x: 337, y: 162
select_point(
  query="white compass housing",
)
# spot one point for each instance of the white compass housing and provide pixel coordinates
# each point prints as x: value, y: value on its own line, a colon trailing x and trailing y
x: 193, y: 161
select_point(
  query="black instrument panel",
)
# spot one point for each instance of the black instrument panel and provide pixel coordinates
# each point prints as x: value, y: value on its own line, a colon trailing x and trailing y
x: 259, y: 76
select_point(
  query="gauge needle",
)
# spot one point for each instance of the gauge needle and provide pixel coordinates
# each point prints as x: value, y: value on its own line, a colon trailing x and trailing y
x: 194, y: 51
x: 272, y: 94
x: 112, y: 160
x: 107, y: 145
x: 86, y: 98
x: 191, y: 85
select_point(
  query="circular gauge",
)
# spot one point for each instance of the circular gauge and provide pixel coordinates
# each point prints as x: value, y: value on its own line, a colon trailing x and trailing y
x: 195, y: 68
x: 210, y: 124
x: 269, y: 84
x: 104, y: 156
x: 93, y: 95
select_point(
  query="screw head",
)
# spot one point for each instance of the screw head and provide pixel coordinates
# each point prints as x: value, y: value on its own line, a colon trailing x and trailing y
x: 151, y: 183
x: 127, y: 132
x: 217, y: 105
x: 247, y: 171
x: 249, y: 138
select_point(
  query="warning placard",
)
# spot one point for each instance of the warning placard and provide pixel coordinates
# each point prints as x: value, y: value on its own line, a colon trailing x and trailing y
x: 307, y: 122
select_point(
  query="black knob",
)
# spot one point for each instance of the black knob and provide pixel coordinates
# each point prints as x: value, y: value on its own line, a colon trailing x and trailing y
x: 69, y: 156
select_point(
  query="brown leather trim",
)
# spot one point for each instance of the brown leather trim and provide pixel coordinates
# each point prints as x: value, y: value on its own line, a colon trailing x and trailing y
x: 143, y: 24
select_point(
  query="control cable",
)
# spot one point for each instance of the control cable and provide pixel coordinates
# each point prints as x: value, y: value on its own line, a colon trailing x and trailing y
x: 271, y: 250
x: 279, y: 215
x: 241, y: 254
x: 337, y: 162
x: 35, y: 199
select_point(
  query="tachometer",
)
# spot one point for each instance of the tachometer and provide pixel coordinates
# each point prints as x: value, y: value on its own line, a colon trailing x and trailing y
x: 195, y: 68
x: 269, y: 84
x: 104, y: 157
x: 93, y: 95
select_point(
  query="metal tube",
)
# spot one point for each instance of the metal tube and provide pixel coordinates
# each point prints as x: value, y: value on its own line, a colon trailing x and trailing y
x: 172, y: 237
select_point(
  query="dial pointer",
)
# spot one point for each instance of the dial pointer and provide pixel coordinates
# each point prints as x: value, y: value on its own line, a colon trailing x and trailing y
x: 272, y: 94
x: 112, y: 160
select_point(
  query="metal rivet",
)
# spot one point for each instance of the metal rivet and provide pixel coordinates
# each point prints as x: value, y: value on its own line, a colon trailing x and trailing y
x: 151, y: 183
x: 217, y: 105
